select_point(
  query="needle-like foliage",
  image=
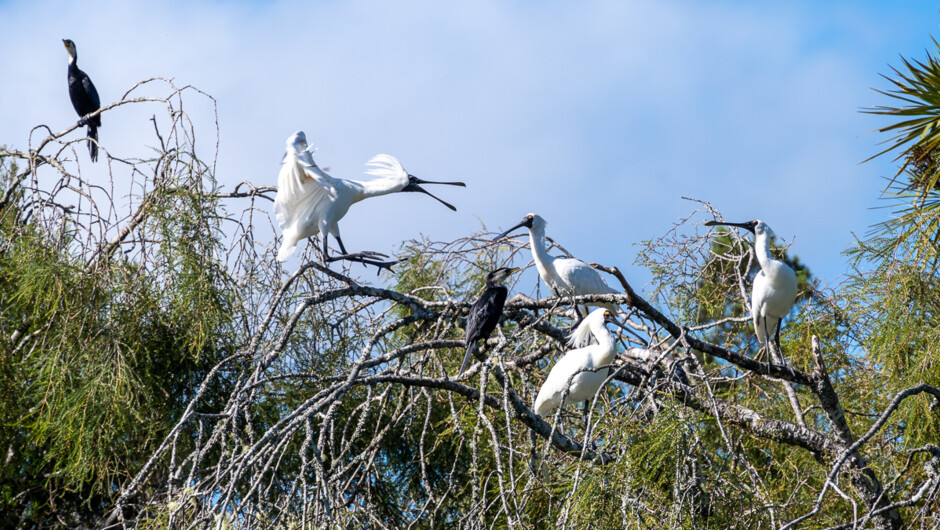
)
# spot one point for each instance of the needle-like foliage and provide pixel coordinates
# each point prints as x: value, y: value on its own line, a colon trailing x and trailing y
x: 161, y: 370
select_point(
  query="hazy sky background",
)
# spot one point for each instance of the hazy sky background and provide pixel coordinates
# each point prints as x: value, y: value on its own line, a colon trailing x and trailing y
x: 599, y: 116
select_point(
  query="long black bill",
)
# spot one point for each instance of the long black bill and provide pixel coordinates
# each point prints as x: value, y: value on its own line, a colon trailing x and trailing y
x: 748, y: 226
x: 413, y: 185
x: 419, y: 181
x: 497, y: 238
x: 611, y: 319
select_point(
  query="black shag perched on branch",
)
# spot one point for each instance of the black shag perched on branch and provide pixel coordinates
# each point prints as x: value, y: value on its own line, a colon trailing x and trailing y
x: 84, y: 98
x: 485, y: 312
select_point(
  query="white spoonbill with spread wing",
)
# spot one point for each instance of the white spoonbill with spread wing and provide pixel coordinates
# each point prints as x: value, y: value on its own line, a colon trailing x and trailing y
x: 310, y: 202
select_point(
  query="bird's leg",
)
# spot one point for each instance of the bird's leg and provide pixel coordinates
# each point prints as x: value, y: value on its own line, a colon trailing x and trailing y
x: 586, y: 405
x: 577, y: 313
x: 777, y: 341
x: 788, y: 387
x: 767, y: 343
x: 775, y: 354
x: 324, y: 252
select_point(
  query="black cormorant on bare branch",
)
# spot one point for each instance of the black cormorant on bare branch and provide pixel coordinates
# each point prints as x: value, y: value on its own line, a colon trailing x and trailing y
x: 485, y: 312
x: 84, y: 98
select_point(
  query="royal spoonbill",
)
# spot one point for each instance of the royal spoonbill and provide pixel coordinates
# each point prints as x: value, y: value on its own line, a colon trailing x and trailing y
x: 311, y: 202
x: 563, y: 276
x: 775, y: 287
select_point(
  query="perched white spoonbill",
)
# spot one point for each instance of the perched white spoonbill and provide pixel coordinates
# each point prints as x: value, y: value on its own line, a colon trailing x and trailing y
x: 564, y: 276
x: 775, y: 287
x: 585, y: 384
x: 309, y: 201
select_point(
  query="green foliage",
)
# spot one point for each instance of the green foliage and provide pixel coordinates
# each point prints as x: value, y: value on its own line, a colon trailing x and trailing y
x: 99, y: 357
x: 916, y: 132
x: 100, y: 354
x: 897, y: 310
x: 892, y: 298
x: 915, y: 228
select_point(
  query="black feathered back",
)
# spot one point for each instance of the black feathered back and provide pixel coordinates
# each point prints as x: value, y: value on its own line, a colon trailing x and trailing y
x: 485, y: 312
x: 85, y: 100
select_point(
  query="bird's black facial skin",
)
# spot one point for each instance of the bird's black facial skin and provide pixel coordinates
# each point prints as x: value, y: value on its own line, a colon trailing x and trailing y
x: 750, y: 225
x: 609, y: 318
x: 526, y: 222
x: 414, y: 185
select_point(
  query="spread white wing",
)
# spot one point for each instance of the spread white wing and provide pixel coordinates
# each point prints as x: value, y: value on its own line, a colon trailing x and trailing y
x: 312, y: 170
x: 302, y: 198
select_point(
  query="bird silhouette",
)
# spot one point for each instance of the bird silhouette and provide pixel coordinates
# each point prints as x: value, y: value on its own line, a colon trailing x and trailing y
x: 84, y: 98
x: 485, y: 312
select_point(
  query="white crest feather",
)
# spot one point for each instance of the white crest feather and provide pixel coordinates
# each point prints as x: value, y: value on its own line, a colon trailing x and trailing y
x: 539, y: 221
x: 581, y: 336
x: 386, y: 166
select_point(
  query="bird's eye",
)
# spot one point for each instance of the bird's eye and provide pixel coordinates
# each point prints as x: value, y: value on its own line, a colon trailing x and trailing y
x: 606, y: 313
x: 528, y: 217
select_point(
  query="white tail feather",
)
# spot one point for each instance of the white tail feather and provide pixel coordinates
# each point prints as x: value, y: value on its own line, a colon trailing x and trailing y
x: 287, y: 248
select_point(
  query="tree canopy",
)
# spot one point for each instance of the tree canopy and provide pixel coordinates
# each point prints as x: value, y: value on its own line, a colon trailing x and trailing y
x: 160, y: 369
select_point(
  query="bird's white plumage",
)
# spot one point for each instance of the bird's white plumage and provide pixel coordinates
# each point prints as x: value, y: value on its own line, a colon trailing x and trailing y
x: 775, y: 286
x: 310, y: 201
x: 585, y: 384
x: 577, y: 277
x: 581, y: 336
x: 312, y: 170
x: 565, y: 276
x: 301, y: 200
x: 388, y: 168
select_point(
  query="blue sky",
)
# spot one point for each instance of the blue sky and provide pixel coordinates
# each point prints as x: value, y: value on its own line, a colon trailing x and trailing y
x: 599, y: 116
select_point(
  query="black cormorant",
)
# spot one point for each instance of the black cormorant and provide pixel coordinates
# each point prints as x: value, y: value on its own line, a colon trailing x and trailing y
x: 84, y: 98
x: 485, y: 312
